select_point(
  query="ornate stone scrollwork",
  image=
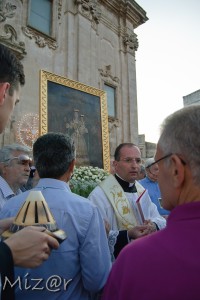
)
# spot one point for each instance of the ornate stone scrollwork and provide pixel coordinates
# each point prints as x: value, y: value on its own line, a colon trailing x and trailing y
x: 107, y: 73
x: 40, y: 41
x: 113, y: 124
x: 90, y: 9
x: 10, y: 39
x: 59, y: 9
x: 131, y: 42
x: 6, y: 10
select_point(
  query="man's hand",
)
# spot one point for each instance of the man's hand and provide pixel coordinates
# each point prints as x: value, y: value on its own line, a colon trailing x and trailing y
x: 151, y: 226
x: 31, y: 246
x: 5, y: 224
x: 138, y: 231
x: 107, y: 227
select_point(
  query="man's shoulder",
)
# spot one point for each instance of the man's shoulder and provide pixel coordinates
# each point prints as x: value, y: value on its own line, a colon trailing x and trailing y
x: 81, y: 206
x: 96, y: 191
x: 5, y: 188
x: 13, y: 204
x: 144, y: 180
x: 148, y: 242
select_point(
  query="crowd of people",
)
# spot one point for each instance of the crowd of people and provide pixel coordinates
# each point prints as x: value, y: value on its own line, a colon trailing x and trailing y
x: 135, y: 237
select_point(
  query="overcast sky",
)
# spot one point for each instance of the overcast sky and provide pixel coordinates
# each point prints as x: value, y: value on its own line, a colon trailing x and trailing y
x: 167, y: 60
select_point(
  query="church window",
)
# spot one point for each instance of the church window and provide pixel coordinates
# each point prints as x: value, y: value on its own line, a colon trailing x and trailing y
x: 110, y: 92
x: 40, y: 15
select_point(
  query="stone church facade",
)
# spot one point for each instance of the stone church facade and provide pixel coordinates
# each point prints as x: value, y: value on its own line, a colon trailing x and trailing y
x: 92, y: 42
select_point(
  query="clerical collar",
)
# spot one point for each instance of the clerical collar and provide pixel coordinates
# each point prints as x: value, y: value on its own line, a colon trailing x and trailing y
x: 127, y: 187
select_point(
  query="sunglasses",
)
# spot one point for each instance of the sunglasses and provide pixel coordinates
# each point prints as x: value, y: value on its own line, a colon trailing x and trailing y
x: 22, y: 159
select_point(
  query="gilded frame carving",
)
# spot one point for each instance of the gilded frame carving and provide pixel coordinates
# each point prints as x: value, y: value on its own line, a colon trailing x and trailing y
x: 80, y: 110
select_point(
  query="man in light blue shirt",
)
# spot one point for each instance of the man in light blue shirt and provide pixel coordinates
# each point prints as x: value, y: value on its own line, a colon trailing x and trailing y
x: 80, y: 267
x: 150, y: 182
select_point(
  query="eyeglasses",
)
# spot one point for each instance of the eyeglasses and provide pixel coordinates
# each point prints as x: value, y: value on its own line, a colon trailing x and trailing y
x: 23, y: 159
x: 131, y: 160
x: 166, y: 156
x: 153, y: 171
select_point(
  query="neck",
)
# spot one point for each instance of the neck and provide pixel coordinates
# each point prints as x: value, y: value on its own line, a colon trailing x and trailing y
x: 116, y: 175
x: 14, y: 187
x: 127, y: 187
x: 65, y: 177
x: 154, y: 180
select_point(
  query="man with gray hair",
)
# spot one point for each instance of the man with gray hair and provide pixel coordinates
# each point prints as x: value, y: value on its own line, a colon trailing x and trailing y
x: 82, y: 262
x: 168, y: 258
x: 150, y: 182
x: 14, y: 170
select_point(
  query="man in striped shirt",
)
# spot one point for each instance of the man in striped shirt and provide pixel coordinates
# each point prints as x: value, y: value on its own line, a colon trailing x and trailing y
x: 14, y: 170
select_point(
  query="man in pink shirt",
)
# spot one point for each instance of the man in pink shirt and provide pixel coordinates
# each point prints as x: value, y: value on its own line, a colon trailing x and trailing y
x: 165, y: 265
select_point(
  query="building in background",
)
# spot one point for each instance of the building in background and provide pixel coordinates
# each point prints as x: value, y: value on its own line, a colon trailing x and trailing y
x: 89, y: 41
x: 193, y: 98
x: 147, y: 149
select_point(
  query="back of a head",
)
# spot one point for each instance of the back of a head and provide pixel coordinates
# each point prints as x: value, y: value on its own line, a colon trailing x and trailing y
x: 180, y: 134
x: 142, y: 173
x: 11, y: 69
x: 149, y: 162
x: 53, y: 153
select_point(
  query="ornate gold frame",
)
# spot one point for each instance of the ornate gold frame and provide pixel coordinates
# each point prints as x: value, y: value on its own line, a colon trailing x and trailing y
x: 45, y: 78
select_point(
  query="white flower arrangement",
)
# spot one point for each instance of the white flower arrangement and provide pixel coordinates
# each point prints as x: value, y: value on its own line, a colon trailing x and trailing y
x: 85, y: 179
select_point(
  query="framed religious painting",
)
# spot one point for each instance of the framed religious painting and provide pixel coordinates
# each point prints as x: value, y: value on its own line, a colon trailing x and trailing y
x: 80, y: 111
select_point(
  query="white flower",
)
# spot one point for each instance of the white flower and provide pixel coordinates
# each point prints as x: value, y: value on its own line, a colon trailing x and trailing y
x: 85, y: 179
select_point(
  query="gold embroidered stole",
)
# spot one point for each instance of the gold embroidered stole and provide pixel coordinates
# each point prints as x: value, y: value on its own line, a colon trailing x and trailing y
x: 123, y: 211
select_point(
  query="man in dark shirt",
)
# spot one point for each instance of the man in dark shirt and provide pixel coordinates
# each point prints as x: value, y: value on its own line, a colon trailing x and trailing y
x: 30, y: 246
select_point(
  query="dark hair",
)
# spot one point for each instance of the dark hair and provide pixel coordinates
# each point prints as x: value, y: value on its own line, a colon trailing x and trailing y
x: 11, y: 69
x: 117, y: 150
x: 53, y: 153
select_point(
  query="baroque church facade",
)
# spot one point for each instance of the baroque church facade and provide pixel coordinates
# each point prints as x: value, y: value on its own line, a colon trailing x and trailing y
x: 89, y: 41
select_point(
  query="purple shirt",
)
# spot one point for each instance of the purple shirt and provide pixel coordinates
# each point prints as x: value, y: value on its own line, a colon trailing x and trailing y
x: 164, y: 265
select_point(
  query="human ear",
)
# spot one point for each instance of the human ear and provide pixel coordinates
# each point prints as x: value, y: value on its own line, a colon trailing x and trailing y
x: 178, y: 170
x: 72, y: 165
x: 114, y: 163
x: 3, y: 89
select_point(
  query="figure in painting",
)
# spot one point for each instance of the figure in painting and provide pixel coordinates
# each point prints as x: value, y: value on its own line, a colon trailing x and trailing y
x: 77, y: 129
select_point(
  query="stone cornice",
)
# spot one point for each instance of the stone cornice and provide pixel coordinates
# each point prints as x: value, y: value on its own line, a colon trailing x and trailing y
x: 128, y: 9
x: 108, y: 23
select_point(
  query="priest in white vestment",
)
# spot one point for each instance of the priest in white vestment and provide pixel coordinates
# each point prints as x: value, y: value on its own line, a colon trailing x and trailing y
x: 123, y: 203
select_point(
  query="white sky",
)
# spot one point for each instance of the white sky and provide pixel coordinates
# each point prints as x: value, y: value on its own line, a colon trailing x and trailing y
x: 167, y: 60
